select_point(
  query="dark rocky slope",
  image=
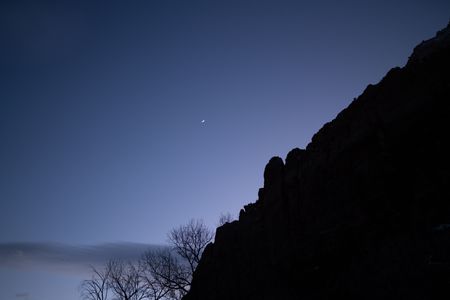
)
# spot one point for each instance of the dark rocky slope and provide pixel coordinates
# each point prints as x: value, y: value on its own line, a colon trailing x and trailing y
x: 362, y: 213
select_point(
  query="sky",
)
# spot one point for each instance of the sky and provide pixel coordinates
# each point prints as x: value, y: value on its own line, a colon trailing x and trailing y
x: 120, y: 120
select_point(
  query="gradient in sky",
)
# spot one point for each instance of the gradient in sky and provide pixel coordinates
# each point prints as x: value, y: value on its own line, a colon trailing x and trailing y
x: 102, y: 102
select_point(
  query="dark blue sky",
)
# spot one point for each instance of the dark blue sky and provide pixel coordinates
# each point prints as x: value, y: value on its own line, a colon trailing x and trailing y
x: 101, y: 103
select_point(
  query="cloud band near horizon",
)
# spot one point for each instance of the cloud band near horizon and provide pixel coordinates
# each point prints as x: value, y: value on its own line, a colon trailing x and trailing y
x: 68, y: 258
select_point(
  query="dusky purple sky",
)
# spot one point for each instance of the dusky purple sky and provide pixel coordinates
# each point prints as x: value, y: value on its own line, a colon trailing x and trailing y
x: 102, y: 102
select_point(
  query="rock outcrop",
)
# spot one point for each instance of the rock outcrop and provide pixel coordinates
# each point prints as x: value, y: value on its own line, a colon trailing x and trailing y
x: 362, y: 213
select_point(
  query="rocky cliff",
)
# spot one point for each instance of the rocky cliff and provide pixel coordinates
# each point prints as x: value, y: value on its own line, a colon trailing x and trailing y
x: 363, y: 212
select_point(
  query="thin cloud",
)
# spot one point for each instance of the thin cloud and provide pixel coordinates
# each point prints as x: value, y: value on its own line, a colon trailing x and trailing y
x: 67, y: 258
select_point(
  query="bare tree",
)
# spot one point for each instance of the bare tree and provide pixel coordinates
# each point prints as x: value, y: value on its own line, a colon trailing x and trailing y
x: 161, y: 274
x: 169, y: 271
x: 165, y: 274
x: 126, y: 281
x: 190, y: 240
x: 97, y: 287
x: 225, y: 218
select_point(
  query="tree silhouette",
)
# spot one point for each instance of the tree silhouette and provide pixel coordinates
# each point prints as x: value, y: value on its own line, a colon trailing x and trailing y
x: 190, y: 240
x: 225, y: 218
x: 160, y: 274
x: 166, y: 275
x: 125, y: 281
x: 96, y: 288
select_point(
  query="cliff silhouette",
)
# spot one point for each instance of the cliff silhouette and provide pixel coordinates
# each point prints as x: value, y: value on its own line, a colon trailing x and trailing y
x: 362, y: 213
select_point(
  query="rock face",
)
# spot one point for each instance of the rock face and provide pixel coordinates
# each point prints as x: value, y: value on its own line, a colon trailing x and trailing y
x: 362, y: 213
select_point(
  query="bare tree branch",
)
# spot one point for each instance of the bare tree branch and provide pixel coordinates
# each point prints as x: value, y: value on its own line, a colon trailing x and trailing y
x: 225, y: 218
x: 97, y: 287
x: 125, y: 281
x: 190, y: 240
x: 162, y: 274
x: 168, y: 276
